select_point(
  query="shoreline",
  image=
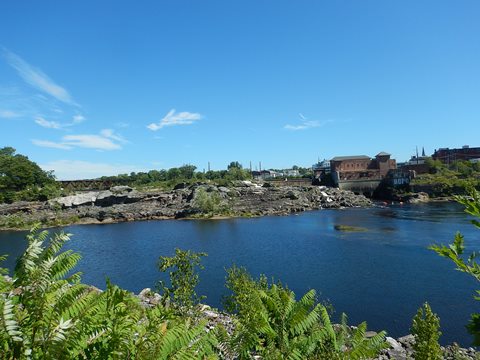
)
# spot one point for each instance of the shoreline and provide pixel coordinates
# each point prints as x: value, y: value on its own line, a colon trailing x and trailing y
x: 246, y: 200
x: 198, y: 201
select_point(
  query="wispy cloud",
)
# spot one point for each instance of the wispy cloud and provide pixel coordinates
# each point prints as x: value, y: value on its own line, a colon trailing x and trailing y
x: 106, y: 140
x: 173, y: 119
x: 37, y: 78
x: 51, y: 144
x: 78, y: 169
x: 306, y: 124
x: 77, y: 119
x: 110, y: 134
x: 97, y: 142
x: 51, y: 124
x: 47, y: 124
x: 9, y: 114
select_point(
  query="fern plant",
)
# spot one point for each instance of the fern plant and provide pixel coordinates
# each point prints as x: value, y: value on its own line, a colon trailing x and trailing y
x: 46, y: 313
x: 344, y: 342
x: 272, y: 323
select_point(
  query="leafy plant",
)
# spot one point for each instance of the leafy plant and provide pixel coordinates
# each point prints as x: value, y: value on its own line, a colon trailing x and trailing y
x: 425, y: 329
x: 183, y: 278
x: 208, y: 203
x: 46, y: 313
x: 272, y: 323
x: 455, y: 252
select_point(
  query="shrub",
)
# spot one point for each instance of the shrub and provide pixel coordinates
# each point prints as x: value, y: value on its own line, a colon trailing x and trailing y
x: 183, y: 278
x: 425, y: 329
x: 209, y: 203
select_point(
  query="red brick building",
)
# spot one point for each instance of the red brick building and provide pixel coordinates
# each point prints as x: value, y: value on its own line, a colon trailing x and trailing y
x: 362, y: 166
x: 448, y: 156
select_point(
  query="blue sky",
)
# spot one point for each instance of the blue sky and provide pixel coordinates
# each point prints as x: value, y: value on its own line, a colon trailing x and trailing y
x: 92, y: 88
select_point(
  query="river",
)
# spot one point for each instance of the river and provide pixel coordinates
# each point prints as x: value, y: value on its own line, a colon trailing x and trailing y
x: 382, y: 275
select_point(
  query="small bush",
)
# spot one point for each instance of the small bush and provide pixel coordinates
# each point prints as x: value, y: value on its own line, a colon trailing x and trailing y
x: 425, y: 328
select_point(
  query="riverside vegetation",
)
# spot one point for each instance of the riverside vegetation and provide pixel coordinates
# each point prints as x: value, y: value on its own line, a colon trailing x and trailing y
x: 47, y: 313
x: 448, y: 180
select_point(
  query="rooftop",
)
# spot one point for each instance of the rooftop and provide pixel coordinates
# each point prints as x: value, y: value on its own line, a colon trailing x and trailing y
x: 383, y: 153
x: 352, y: 157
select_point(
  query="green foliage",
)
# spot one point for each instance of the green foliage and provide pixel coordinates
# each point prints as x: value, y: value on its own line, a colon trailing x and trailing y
x: 209, y: 203
x: 234, y: 165
x: 22, y: 179
x: 425, y: 329
x: 455, y: 252
x: 275, y: 325
x: 342, y: 342
x: 46, y: 313
x: 183, y: 278
x: 168, y: 179
x: 457, y: 177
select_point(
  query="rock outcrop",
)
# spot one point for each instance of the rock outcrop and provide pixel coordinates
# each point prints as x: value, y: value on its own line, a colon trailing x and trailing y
x: 123, y: 203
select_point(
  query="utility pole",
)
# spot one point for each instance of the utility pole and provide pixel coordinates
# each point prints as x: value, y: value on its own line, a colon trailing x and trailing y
x: 260, y: 165
x: 250, y: 166
x: 209, y: 166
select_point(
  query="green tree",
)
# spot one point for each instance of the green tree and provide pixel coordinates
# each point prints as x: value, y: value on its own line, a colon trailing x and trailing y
x: 183, y: 278
x: 425, y: 329
x: 21, y: 178
x: 234, y: 165
x: 187, y: 171
x: 455, y: 252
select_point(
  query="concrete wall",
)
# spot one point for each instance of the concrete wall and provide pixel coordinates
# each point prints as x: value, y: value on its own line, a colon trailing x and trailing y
x: 360, y: 186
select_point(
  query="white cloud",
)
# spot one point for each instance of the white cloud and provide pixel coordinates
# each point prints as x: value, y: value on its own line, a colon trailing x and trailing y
x: 306, y: 124
x: 107, y: 140
x: 110, y: 134
x: 38, y: 79
x: 97, y: 142
x: 77, y: 119
x: 172, y: 119
x: 9, y: 114
x: 51, y: 144
x: 50, y: 124
x: 47, y: 124
x: 77, y: 169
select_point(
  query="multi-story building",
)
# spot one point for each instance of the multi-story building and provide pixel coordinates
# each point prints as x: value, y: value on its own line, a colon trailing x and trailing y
x: 361, y: 173
x: 448, y: 156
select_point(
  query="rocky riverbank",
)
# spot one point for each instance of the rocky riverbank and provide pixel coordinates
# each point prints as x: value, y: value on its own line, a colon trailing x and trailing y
x: 123, y: 203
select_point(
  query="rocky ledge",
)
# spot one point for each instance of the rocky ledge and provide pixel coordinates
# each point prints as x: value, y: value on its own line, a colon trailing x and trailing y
x: 123, y: 203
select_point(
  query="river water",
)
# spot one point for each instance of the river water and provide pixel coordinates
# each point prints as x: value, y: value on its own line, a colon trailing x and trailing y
x: 381, y: 275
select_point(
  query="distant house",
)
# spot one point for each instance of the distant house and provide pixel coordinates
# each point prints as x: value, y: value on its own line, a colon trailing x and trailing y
x: 265, y: 174
x: 448, y: 156
x: 290, y: 172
